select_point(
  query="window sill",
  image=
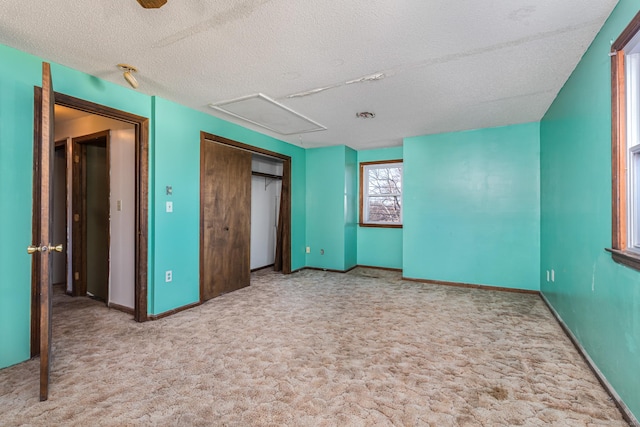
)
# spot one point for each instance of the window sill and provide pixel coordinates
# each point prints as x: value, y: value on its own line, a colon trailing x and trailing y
x: 380, y: 225
x: 627, y: 258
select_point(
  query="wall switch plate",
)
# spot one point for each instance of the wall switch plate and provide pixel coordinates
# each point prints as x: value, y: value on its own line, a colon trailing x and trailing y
x: 168, y: 276
x: 119, y: 205
x: 169, y: 206
x: 547, y: 275
x: 553, y: 275
x: 308, y: 249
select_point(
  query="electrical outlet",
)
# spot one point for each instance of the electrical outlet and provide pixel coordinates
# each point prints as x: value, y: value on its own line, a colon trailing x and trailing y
x: 308, y: 249
x: 169, y: 206
x: 168, y: 276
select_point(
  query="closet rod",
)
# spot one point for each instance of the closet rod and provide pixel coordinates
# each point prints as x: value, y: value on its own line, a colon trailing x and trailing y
x: 266, y: 175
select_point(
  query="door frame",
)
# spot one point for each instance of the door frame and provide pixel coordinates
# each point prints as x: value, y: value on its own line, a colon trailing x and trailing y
x: 141, y: 125
x: 285, y: 211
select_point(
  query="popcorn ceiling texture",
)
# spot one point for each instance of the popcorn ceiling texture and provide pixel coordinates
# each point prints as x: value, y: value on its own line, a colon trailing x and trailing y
x: 314, y: 349
x: 447, y: 65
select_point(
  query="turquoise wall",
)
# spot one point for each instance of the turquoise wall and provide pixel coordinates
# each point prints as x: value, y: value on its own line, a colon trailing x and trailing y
x: 174, y: 160
x: 379, y: 247
x: 598, y: 299
x: 471, y: 207
x: 326, y: 207
x: 350, y: 208
x: 18, y: 74
x: 491, y: 206
x: 332, y: 200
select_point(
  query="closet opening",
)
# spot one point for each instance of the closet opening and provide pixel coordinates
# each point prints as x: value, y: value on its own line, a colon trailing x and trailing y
x: 266, y: 191
x: 245, y: 213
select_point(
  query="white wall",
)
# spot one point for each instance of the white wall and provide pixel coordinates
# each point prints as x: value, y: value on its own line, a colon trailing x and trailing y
x: 265, y: 207
x: 86, y: 126
x: 122, y: 182
x: 266, y: 165
x: 58, y: 264
x: 123, y: 212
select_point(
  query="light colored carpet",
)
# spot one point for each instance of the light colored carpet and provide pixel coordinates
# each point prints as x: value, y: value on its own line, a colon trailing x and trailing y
x: 314, y: 349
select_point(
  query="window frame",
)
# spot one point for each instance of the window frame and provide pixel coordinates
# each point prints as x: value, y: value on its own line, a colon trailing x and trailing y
x: 623, y: 203
x: 364, y: 197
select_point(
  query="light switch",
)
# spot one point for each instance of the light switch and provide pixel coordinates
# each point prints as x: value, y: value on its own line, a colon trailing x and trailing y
x: 169, y: 206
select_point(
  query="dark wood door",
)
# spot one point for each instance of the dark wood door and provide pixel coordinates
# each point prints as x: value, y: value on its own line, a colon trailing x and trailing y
x: 225, y: 219
x: 91, y: 222
x: 42, y: 248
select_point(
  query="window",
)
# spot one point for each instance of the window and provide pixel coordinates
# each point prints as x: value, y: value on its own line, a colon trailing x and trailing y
x: 625, y: 143
x: 381, y: 194
x: 632, y: 78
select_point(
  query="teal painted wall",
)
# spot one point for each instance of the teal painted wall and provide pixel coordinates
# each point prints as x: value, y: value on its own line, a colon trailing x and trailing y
x: 379, y: 247
x: 326, y: 207
x: 332, y: 202
x: 485, y: 199
x: 471, y: 207
x: 598, y: 299
x: 18, y: 74
x: 176, y: 161
x: 350, y: 208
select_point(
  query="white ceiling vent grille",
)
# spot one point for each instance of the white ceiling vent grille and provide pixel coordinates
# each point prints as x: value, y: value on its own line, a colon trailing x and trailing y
x: 263, y: 111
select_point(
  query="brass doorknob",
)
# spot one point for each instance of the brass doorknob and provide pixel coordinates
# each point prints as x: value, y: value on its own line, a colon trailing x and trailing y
x: 33, y: 249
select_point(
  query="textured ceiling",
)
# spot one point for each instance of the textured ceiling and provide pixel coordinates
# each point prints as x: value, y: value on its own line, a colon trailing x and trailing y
x: 422, y: 66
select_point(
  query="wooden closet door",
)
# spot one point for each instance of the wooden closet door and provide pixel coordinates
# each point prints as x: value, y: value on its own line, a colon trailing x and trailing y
x: 225, y: 219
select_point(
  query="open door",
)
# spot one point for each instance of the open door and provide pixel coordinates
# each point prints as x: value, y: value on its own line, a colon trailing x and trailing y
x: 42, y: 227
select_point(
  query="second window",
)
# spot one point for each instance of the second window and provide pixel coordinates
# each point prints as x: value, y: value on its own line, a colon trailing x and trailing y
x: 381, y: 194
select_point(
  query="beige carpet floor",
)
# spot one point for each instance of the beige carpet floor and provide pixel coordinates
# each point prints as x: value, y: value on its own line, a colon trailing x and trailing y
x: 314, y: 349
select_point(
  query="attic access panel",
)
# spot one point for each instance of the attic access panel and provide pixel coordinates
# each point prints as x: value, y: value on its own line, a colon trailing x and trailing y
x: 263, y: 111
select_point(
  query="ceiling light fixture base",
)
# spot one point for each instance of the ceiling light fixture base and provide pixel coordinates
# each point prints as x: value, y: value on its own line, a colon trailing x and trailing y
x: 128, y: 71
